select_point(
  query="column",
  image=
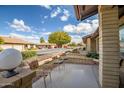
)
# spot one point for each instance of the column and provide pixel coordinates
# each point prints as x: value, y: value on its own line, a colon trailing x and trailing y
x: 109, y: 46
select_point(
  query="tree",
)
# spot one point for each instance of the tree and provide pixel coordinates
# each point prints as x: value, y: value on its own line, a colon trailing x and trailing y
x: 73, y: 44
x: 79, y: 44
x: 42, y: 40
x: 1, y: 40
x: 59, y: 38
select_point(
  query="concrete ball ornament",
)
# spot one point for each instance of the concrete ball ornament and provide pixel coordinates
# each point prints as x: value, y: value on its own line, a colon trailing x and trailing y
x: 9, y: 60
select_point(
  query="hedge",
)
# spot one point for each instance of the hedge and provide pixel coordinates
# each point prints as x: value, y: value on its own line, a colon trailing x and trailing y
x: 28, y: 54
x: 1, y: 49
x: 93, y: 55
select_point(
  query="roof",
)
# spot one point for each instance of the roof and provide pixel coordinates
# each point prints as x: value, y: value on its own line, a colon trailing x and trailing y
x: 46, y: 44
x: 13, y: 40
x: 93, y: 35
x: 84, y: 11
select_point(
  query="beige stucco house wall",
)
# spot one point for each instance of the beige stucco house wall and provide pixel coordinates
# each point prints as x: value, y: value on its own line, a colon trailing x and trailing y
x: 93, y: 45
x: 19, y: 47
x: 16, y: 43
x: 88, y: 44
x: 46, y: 45
x: 97, y: 44
x: 91, y: 42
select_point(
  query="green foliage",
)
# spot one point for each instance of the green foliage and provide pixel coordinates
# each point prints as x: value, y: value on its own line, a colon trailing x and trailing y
x: 28, y: 54
x: 84, y: 48
x: 79, y: 44
x: 73, y: 44
x: 1, y: 49
x: 93, y: 55
x: 1, y: 40
x: 75, y: 51
x: 33, y: 49
x: 59, y: 38
x: 42, y: 40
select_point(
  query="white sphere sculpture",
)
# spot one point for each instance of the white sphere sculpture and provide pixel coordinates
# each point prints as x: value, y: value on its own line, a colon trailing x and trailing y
x: 10, y: 59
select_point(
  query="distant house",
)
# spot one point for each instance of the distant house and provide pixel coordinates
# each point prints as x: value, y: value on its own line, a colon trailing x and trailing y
x: 16, y: 43
x: 91, y: 42
x: 46, y: 45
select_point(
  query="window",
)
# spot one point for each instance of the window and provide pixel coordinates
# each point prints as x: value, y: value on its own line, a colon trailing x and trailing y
x: 122, y: 38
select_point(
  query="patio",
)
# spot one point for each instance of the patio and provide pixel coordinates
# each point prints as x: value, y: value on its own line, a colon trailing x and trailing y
x: 70, y: 76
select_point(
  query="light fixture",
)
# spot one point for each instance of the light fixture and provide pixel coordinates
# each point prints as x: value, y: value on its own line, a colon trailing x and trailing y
x: 9, y: 60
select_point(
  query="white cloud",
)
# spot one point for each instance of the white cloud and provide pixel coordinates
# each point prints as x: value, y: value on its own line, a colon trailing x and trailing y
x: 55, y: 12
x: 19, y: 25
x: 45, y: 17
x: 46, y: 33
x: 95, y: 23
x: 84, y: 27
x: 65, y: 15
x: 31, y: 38
x: 76, y: 38
x: 46, y: 6
x: 43, y: 29
x: 64, y: 18
x: 88, y: 21
x: 69, y: 28
x: 42, y: 22
x: 34, y: 32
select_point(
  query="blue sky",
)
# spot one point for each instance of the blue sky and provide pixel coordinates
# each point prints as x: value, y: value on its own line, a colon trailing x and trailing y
x: 32, y: 22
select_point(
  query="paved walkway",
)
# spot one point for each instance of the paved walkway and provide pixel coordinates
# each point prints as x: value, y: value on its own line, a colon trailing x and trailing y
x: 70, y: 76
x: 50, y: 51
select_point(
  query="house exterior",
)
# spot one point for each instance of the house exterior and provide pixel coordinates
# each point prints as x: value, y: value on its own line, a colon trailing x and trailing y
x: 16, y: 43
x: 46, y: 45
x: 91, y: 42
x: 111, y: 18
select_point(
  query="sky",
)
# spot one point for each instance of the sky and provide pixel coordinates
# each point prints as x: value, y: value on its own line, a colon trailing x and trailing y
x: 32, y: 22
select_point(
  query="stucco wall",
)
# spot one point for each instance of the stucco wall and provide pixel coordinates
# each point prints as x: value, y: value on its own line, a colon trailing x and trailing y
x: 15, y: 46
x: 93, y: 45
x: 97, y: 44
x: 88, y: 45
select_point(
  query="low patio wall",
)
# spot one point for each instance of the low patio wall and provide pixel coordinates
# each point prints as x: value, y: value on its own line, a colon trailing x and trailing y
x: 21, y: 80
x: 77, y: 59
x: 35, y: 62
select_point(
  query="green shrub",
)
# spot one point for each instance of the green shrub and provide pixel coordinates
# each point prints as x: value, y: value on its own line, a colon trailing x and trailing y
x: 1, y: 49
x: 75, y: 51
x: 84, y: 48
x: 93, y: 55
x: 33, y: 49
x: 28, y: 54
x: 72, y: 44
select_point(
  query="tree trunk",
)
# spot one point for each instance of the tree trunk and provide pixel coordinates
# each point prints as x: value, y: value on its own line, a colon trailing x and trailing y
x: 59, y: 46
